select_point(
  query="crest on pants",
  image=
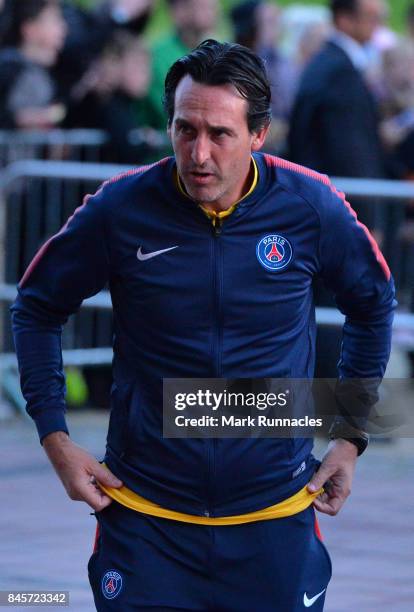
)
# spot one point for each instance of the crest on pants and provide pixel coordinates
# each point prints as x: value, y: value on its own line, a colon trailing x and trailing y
x: 111, y: 584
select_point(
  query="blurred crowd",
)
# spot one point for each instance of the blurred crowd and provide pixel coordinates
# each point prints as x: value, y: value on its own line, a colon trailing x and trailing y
x: 342, y: 83
x: 342, y: 80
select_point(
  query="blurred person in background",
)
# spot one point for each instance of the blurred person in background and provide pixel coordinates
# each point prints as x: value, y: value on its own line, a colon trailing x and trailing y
x: 335, y: 123
x: 33, y: 33
x: 334, y: 127
x: 396, y: 98
x: 310, y: 42
x: 193, y: 21
x: 383, y: 39
x: 257, y: 26
x: 90, y: 30
x: 106, y: 96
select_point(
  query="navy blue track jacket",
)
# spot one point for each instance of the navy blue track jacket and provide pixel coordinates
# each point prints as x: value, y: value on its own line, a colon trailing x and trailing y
x: 233, y: 302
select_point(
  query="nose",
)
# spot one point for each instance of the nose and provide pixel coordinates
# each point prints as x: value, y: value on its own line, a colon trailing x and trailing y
x: 201, y: 150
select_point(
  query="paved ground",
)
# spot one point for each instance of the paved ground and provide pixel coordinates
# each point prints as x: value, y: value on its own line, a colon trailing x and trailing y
x: 46, y: 539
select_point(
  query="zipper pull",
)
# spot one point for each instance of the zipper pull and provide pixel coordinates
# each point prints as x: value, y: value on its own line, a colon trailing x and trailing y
x: 217, y: 227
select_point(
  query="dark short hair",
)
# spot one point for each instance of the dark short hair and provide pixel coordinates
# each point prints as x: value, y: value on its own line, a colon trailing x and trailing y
x: 17, y: 12
x: 343, y: 6
x: 215, y: 63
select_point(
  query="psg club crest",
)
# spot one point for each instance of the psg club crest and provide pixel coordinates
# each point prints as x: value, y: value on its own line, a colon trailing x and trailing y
x: 111, y: 584
x: 274, y: 252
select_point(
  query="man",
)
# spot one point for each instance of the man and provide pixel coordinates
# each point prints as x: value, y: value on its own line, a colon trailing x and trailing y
x: 334, y: 122
x: 334, y: 126
x: 199, y: 289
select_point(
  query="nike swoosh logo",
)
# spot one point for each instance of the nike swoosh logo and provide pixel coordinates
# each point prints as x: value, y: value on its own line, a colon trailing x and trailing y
x: 309, y: 602
x: 144, y: 256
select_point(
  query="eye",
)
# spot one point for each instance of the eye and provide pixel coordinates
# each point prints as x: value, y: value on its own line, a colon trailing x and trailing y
x: 219, y: 133
x: 186, y: 130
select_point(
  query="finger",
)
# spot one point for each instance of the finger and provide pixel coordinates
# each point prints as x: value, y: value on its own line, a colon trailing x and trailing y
x: 330, y: 506
x: 325, y: 508
x: 102, y: 502
x: 319, y: 479
x: 94, y: 496
x: 324, y: 497
x: 105, y: 476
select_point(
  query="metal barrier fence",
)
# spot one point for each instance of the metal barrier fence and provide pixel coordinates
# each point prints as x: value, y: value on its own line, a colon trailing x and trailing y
x: 59, y: 145
x: 86, y: 145
x: 36, y: 197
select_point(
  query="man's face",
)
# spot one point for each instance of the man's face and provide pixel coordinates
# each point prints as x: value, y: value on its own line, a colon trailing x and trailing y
x: 368, y: 17
x: 212, y: 143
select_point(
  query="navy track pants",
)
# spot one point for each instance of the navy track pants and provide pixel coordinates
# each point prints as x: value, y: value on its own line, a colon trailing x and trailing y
x: 143, y: 563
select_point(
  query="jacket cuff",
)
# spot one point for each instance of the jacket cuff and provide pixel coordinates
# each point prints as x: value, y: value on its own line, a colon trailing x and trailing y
x: 49, y: 421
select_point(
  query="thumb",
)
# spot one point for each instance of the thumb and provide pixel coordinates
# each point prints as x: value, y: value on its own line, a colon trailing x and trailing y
x: 319, y: 478
x: 105, y: 476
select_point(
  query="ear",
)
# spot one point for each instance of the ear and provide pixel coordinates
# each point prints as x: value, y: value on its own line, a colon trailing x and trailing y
x: 259, y: 138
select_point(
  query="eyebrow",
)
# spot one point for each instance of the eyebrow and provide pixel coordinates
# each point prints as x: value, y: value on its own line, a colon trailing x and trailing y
x: 212, y: 128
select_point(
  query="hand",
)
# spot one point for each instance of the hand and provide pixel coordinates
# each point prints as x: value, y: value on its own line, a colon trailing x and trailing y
x: 335, y: 474
x: 79, y: 471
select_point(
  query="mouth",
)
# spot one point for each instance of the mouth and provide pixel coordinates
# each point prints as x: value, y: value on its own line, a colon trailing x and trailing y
x: 201, y: 178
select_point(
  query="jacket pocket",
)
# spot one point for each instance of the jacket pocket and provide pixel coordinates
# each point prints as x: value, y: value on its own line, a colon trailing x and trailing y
x: 118, y: 429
